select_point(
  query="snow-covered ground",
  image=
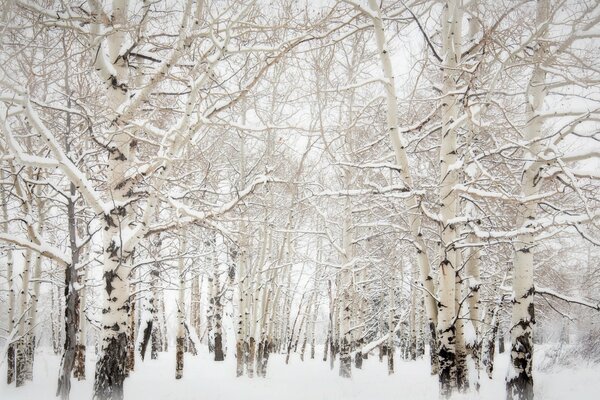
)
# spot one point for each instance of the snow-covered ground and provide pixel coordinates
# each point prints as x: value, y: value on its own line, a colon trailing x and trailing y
x: 311, y: 379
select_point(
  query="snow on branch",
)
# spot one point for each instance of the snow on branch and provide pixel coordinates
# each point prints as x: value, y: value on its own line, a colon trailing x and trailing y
x: 568, y: 299
x: 23, y: 158
x: 67, y: 167
x: 362, y: 192
x: 43, y: 248
x: 191, y: 216
x: 485, y: 194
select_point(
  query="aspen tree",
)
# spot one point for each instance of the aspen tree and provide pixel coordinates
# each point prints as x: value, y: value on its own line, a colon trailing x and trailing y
x: 10, y: 370
x: 180, y: 338
x: 519, y: 380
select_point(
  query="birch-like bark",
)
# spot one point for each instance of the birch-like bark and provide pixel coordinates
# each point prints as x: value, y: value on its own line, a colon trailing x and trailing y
x: 473, y: 280
x: 240, y: 331
x: 421, y: 319
x: 24, y: 326
x: 180, y: 338
x: 462, y: 373
x: 217, y: 304
x: 489, y: 350
x: 399, y: 145
x: 266, y: 301
x: 55, y: 314
x: 195, y: 303
x: 332, y: 333
x: 313, y: 323
x: 111, y: 368
x: 155, y: 325
x: 80, y: 351
x: 412, y: 322
x: 391, y: 314
x: 72, y: 310
x: 519, y: 381
x: 132, y: 332
x: 243, y: 272
x: 10, y: 354
x: 346, y: 290
x: 23, y: 323
x: 447, y: 311
x: 35, y: 294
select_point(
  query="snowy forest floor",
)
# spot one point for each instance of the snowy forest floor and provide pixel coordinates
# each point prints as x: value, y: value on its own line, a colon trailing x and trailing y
x: 311, y: 379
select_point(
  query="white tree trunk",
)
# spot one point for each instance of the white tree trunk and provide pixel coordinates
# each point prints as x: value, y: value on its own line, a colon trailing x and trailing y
x: 180, y: 338
x: 447, y: 312
x: 23, y: 323
x: 519, y: 381
x: 10, y: 328
x: 346, y: 291
x: 399, y: 145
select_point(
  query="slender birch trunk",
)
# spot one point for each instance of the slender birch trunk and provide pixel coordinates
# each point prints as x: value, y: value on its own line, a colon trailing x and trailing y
x: 31, y: 337
x: 79, y: 366
x: 421, y: 318
x: 399, y: 145
x: 473, y: 273
x: 195, y: 303
x: 111, y: 367
x: 412, y: 322
x: 23, y: 323
x: 390, y: 341
x: 346, y: 290
x: 132, y: 335
x: 217, y: 315
x: 10, y: 355
x: 447, y: 311
x: 331, y: 334
x: 72, y: 311
x: 156, y: 334
x: 180, y: 340
x: 519, y: 381
x: 490, y: 348
x: 55, y: 314
x: 462, y: 373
